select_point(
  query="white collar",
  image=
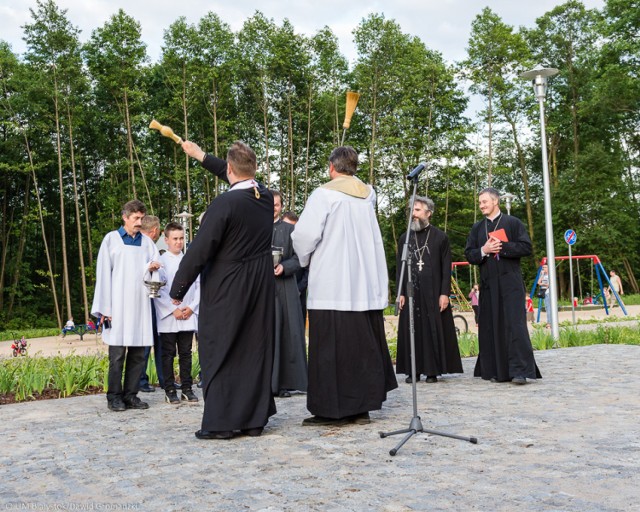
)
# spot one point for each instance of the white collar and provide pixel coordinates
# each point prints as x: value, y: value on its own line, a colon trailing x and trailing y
x: 241, y: 185
x: 498, y: 215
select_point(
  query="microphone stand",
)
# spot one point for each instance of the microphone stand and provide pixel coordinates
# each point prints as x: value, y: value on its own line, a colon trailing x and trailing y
x: 416, y: 424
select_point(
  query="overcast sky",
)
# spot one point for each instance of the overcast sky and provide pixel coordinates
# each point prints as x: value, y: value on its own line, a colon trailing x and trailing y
x: 443, y: 25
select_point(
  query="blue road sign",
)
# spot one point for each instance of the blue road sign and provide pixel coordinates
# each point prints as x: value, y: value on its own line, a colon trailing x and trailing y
x: 570, y: 236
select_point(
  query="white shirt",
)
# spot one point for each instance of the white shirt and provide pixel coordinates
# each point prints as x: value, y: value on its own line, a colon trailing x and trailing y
x: 120, y: 292
x: 165, y: 308
x: 338, y: 237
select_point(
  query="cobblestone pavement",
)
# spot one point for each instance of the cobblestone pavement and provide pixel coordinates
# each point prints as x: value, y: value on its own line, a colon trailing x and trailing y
x: 567, y: 442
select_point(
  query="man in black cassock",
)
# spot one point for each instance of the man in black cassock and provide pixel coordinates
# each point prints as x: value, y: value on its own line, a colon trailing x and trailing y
x: 232, y: 255
x: 290, y: 349
x: 496, y: 245
x: 436, y: 343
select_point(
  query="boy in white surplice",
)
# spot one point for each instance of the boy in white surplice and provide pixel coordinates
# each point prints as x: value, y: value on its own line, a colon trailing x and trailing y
x: 176, y: 324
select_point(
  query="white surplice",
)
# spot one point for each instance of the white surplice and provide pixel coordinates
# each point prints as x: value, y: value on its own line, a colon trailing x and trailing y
x: 120, y: 292
x: 334, y: 282
x: 165, y: 308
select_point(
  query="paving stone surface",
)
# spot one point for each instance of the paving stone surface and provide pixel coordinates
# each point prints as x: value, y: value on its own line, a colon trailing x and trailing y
x: 567, y: 442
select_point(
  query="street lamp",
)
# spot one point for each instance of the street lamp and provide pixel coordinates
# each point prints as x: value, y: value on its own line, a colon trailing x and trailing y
x: 538, y: 77
x: 508, y: 197
x: 184, y: 220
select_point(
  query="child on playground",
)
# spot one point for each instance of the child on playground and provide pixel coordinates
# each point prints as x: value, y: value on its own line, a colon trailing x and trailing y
x: 528, y: 301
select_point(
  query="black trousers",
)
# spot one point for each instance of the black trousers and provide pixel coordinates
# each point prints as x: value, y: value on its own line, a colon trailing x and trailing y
x: 183, y: 340
x: 476, y: 312
x: 131, y: 359
x: 157, y: 353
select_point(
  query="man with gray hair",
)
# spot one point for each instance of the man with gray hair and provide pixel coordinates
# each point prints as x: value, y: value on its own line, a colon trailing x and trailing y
x: 436, y: 343
x: 496, y: 244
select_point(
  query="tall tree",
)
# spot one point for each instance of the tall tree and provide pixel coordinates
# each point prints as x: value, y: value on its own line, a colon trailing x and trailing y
x: 254, y: 55
x: 497, y: 55
x: 17, y: 82
x: 115, y: 56
x: 53, y: 46
x: 180, y: 65
x: 215, y: 54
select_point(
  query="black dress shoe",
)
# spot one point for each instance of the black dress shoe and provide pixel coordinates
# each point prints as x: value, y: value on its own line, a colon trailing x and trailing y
x: 408, y: 380
x: 136, y: 403
x: 214, y: 434
x: 519, y: 380
x: 320, y: 421
x: 360, y: 419
x: 147, y: 388
x: 252, y: 432
x: 284, y: 393
x: 117, y: 405
x: 432, y: 379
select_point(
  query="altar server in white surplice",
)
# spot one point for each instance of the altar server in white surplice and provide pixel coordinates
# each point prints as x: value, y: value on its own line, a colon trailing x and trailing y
x: 338, y: 237
x: 122, y: 303
x: 176, y: 324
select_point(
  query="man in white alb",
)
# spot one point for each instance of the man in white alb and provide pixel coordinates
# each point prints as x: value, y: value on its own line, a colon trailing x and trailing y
x: 121, y: 302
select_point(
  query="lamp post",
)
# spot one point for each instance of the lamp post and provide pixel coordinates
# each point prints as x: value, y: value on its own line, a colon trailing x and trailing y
x: 184, y: 221
x: 538, y: 77
x: 508, y: 197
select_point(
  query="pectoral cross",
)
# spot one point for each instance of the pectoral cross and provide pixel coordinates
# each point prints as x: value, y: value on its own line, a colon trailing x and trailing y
x: 420, y: 265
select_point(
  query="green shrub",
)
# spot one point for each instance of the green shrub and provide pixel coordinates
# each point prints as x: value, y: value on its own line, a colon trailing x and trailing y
x: 468, y: 344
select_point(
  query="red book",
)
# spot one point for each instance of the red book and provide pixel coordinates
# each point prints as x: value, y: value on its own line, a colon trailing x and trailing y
x: 500, y: 234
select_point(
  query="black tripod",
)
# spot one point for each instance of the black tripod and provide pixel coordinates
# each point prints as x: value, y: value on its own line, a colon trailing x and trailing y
x: 416, y: 424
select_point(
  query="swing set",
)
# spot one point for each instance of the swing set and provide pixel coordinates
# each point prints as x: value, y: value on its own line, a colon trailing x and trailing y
x: 601, y: 275
x: 458, y: 299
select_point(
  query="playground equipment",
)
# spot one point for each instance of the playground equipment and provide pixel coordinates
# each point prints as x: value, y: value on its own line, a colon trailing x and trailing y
x: 458, y: 299
x: 601, y: 275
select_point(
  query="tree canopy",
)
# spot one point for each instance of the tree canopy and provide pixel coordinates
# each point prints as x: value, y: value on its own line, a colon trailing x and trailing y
x: 75, y: 143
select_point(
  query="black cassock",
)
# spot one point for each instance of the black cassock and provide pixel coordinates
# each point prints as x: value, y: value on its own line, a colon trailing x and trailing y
x: 232, y: 255
x: 505, y: 346
x: 436, y: 342
x: 290, y: 352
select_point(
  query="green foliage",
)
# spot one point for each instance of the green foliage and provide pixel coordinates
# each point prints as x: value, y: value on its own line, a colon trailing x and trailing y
x: 393, y: 347
x: 195, y: 366
x: 468, y: 344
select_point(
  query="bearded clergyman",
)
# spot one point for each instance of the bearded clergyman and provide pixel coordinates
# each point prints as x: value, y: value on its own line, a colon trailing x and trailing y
x: 436, y: 343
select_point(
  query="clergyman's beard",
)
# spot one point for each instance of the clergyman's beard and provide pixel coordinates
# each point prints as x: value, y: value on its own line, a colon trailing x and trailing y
x: 419, y: 224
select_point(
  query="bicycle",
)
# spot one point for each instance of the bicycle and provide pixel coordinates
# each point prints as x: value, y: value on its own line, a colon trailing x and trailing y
x: 460, y: 324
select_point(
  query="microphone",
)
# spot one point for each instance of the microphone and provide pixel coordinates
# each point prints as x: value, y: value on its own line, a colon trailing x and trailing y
x: 416, y: 172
